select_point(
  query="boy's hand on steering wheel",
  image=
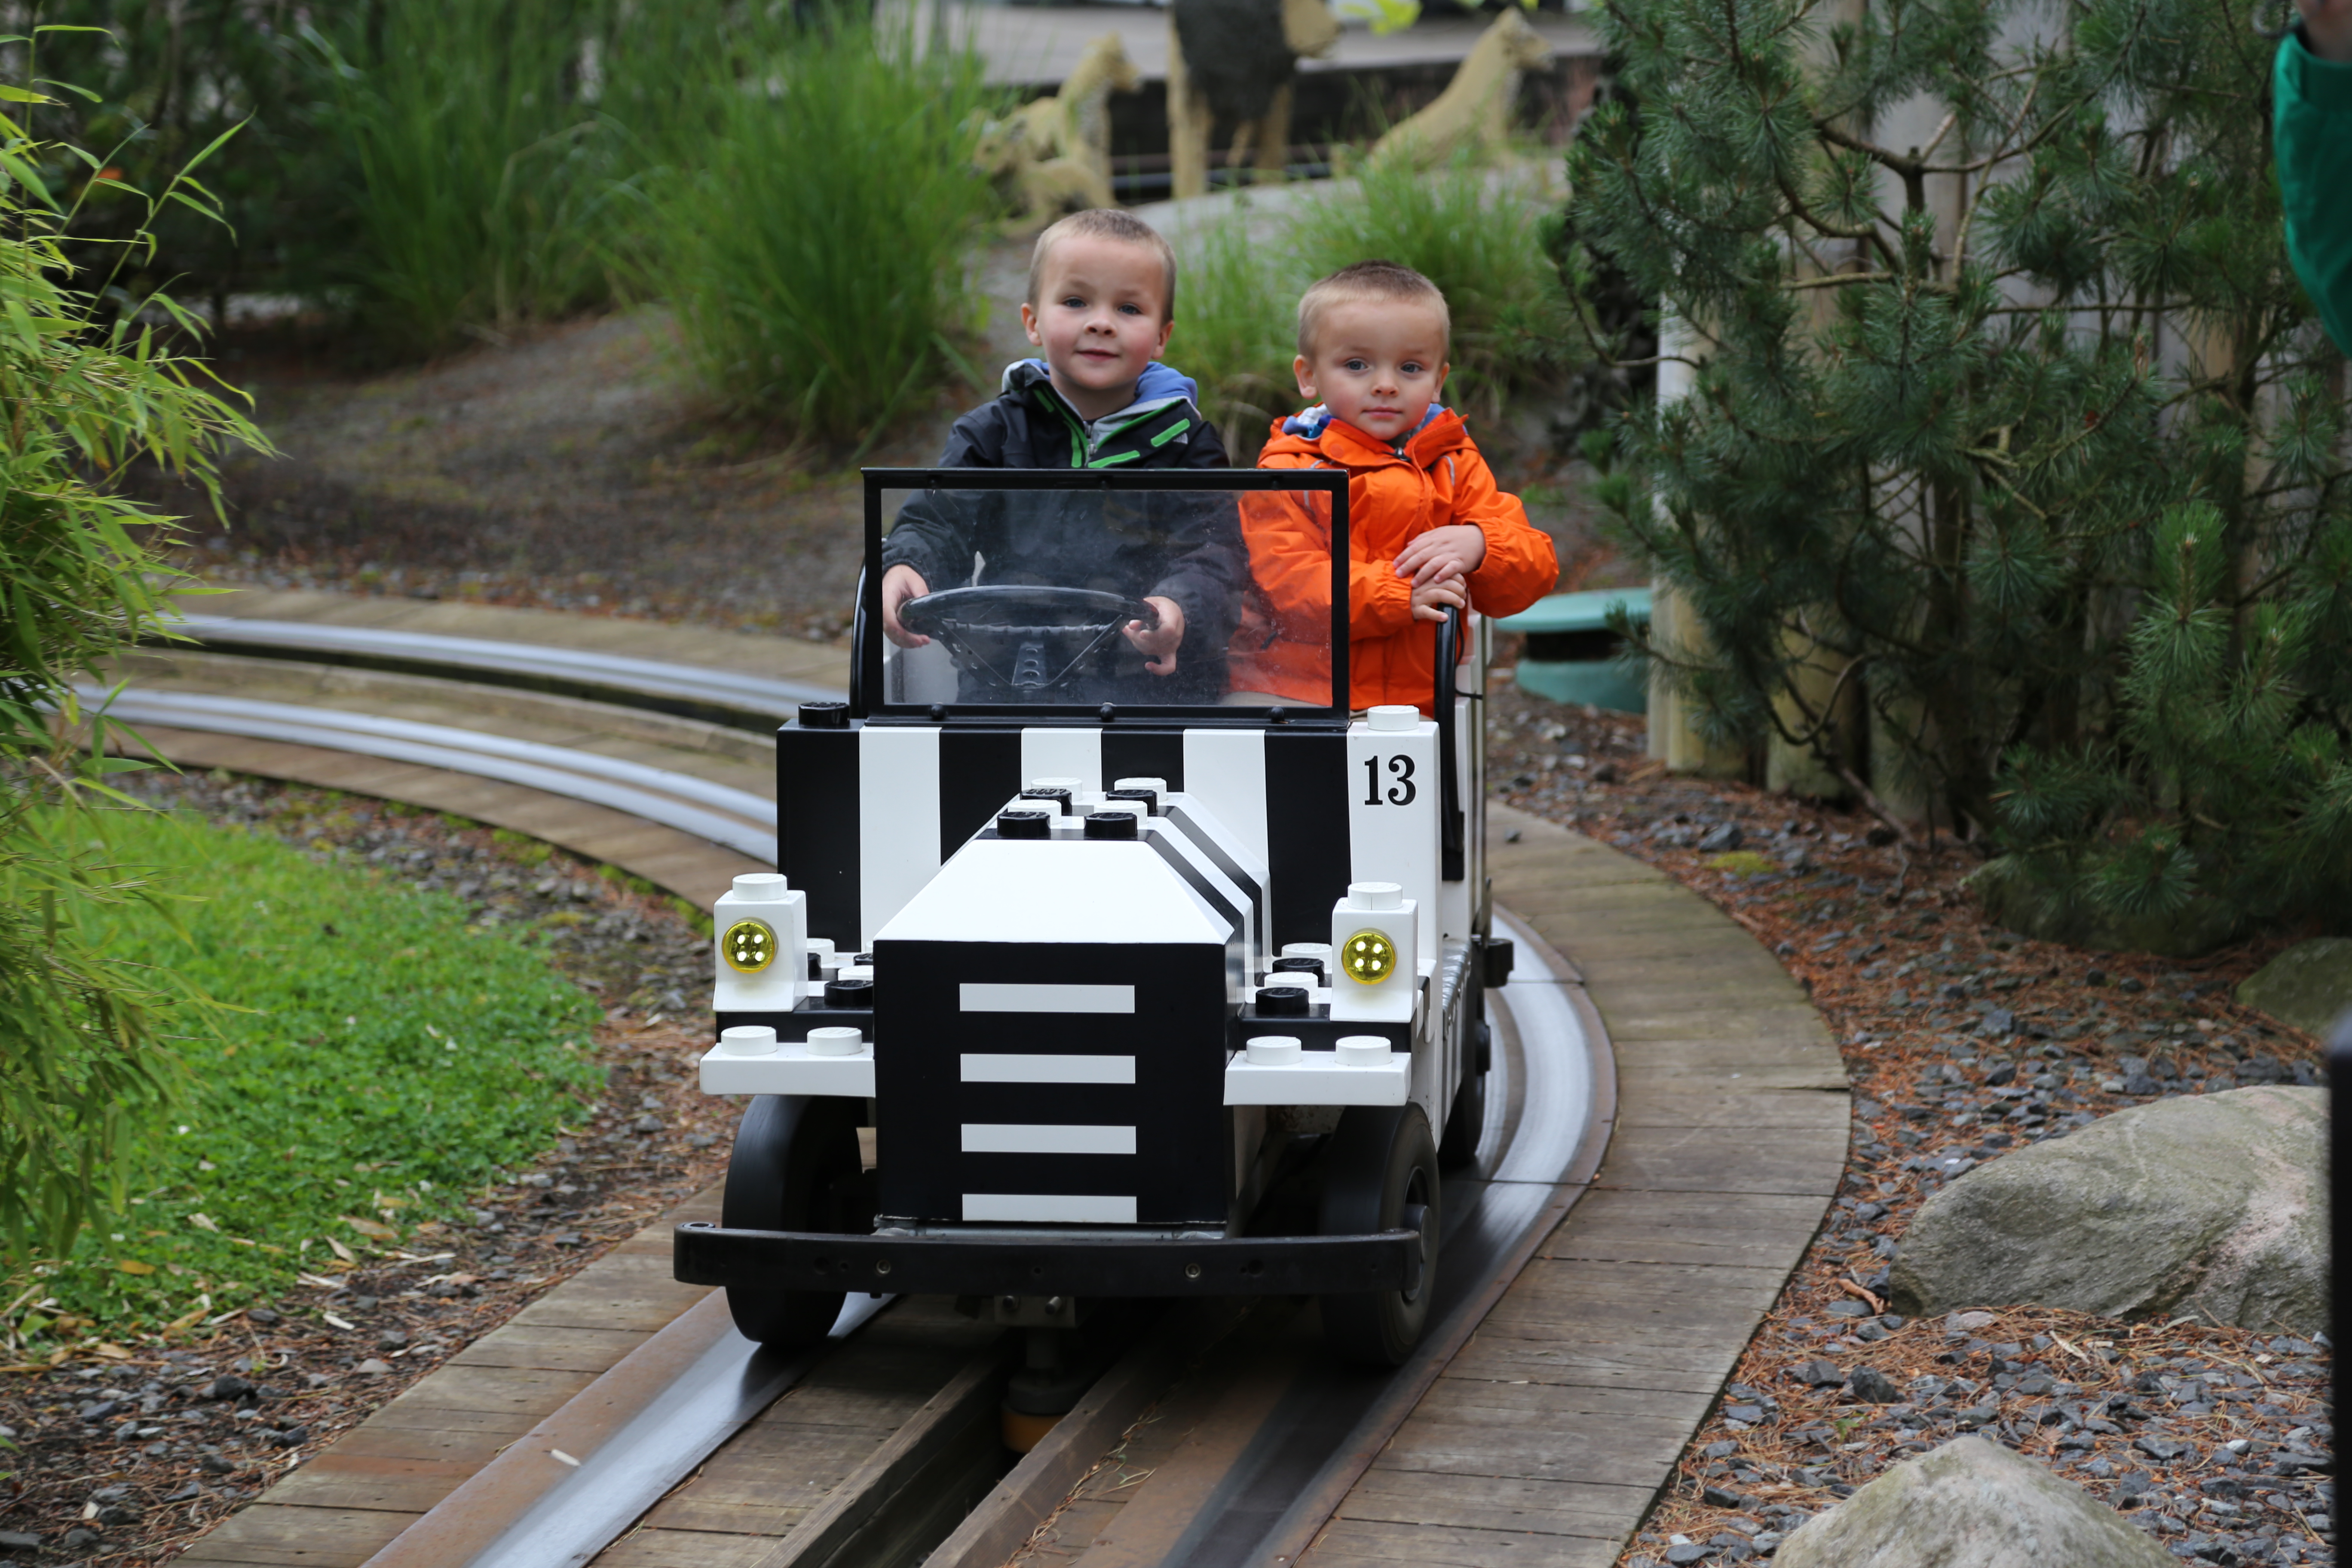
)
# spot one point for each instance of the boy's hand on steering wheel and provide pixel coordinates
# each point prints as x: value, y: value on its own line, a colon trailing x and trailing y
x: 900, y: 583
x: 1159, y: 644
x: 1431, y: 600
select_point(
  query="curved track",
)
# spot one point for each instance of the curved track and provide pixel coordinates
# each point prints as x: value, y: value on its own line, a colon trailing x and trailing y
x: 1547, y: 1118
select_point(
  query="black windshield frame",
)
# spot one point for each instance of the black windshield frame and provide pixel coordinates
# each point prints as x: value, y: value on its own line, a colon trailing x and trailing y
x: 866, y: 636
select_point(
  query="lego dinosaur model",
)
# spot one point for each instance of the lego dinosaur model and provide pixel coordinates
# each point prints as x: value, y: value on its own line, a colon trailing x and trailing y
x: 1474, y: 110
x: 1232, y: 62
x: 1053, y: 155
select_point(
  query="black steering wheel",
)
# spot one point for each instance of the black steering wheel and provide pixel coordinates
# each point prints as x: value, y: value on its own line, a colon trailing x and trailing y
x: 1027, y: 638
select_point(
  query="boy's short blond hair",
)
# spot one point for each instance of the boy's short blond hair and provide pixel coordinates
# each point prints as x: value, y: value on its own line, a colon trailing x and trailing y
x: 1105, y: 223
x: 1368, y: 280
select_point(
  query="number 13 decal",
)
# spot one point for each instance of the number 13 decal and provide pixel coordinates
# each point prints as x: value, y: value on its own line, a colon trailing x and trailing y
x: 1401, y: 793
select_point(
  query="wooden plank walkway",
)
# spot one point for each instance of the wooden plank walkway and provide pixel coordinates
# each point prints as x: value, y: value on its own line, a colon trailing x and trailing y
x: 1548, y: 1436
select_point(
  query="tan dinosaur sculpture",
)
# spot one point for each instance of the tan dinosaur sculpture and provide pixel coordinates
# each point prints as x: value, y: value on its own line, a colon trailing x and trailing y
x: 1053, y: 155
x: 1474, y: 110
x: 1234, y: 59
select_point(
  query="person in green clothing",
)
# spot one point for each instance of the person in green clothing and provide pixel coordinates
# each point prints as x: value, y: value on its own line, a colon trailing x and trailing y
x: 2311, y: 84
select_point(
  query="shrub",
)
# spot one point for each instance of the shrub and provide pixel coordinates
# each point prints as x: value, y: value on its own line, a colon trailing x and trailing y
x: 2026, y: 437
x: 1237, y: 325
x: 816, y: 252
x: 84, y: 1058
x: 1480, y: 235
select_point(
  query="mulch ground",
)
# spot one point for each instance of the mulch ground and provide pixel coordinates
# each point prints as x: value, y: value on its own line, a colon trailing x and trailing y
x: 1962, y: 1041
x: 127, y: 1452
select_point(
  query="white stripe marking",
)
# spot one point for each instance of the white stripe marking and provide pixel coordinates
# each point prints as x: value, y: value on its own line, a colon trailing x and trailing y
x: 1046, y: 1138
x: 984, y: 1068
x: 975, y: 997
x: 1050, y: 1208
x: 1225, y: 771
x: 898, y: 804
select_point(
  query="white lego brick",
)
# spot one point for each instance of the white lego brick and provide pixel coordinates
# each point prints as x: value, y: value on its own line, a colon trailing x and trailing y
x: 1046, y: 1138
x: 1047, y: 1208
x: 899, y: 813
x: 1392, y: 999
x: 1072, y: 753
x: 1318, y: 1078
x: 977, y: 996
x: 1394, y: 789
x: 792, y: 1069
x: 981, y: 1066
x: 1225, y: 771
x: 765, y: 897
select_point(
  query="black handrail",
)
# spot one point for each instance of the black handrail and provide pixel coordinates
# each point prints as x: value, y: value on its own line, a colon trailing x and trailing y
x: 1451, y: 824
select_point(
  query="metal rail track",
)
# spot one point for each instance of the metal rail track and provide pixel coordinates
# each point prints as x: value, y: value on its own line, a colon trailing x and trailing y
x: 694, y: 692
x: 655, y: 1417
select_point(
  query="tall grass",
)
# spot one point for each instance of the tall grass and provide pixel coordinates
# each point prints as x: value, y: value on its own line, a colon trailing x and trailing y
x: 817, y: 252
x: 1237, y: 310
x: 1479, y: 234
x: 483, y: 177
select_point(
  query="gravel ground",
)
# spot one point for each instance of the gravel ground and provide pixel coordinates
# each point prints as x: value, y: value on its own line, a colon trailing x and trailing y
x: 1961, y: 1041
x: 128, y: 1452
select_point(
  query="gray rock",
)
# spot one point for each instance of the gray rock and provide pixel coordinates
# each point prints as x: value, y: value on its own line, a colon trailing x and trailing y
x: 2309, y: 985
x: 1872, y: 1386
x: 2212, y: 1206
x: 1969, y: 1504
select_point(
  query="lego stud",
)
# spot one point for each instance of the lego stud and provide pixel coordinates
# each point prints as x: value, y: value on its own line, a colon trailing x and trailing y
x: 1367, y: 957
x: 1273, y: 1051
x: 747, y: 1040
x: 762, y: 887
x: 1394, y: 716
x: 749, y: 946
x: 1361, y: 1050
x: 1375, y: 896
x: 835, y: 1041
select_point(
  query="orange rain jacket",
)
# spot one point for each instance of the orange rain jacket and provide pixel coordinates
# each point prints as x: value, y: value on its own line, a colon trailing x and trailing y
x: 1435, y: 480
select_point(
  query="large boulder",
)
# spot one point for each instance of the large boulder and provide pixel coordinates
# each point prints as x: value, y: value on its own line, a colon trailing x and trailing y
x: 2212, y: 1206
x: 2309, y: 985
x: 1970, y: 1504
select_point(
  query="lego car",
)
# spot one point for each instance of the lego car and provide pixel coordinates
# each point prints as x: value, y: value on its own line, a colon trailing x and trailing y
x: 1081, y: 979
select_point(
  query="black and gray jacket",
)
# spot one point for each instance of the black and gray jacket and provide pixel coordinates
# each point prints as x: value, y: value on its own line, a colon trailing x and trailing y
x: 1184, y: 546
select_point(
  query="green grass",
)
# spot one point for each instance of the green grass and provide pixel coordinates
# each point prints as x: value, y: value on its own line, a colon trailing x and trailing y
x: 816, y: 247
x: 387, y: 1062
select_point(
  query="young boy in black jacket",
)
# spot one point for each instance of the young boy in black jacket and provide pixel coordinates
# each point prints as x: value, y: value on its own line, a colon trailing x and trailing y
x: 1101, y: 301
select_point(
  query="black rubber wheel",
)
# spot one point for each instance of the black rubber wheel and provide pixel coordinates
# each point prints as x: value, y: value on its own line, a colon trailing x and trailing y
x: 1381, y: 1175
x: 794, y: 1167
x: 1466, y: 1119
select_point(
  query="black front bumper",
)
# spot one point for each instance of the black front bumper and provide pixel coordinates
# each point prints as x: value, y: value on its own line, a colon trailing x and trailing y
x: 705, y: 1254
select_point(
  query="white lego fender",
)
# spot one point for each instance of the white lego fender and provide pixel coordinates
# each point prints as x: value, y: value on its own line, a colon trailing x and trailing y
x: 1394, y: 795
x: 749, y: 1060
x: 1273, y: 1069
x: 759, y: 933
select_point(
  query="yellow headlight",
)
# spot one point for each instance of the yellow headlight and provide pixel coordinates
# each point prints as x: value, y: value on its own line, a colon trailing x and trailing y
x: 749, y: 946
x: 1367, y: 956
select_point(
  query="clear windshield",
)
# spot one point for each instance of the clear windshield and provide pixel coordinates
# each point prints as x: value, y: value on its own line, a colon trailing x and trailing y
x: 1122, y: 592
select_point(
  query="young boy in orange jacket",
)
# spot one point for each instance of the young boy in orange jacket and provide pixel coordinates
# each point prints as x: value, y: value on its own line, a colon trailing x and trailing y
x: 1428, y: 531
